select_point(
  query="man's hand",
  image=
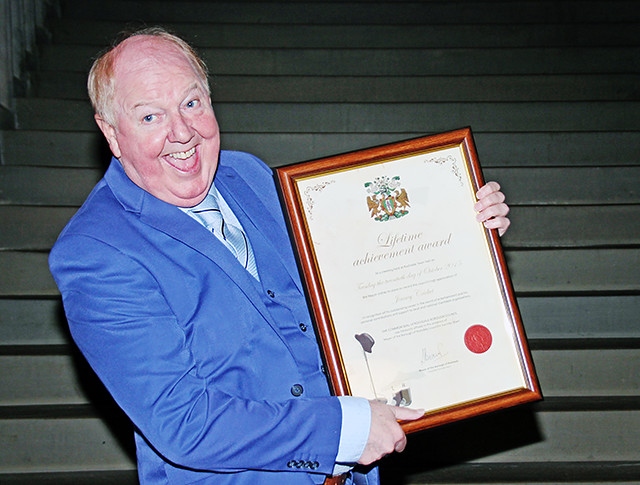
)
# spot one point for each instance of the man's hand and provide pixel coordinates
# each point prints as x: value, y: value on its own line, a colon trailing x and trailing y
x: 386, y: 435
x: 491, y: 208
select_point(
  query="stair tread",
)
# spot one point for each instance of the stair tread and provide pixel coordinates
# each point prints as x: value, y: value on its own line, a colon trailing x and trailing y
x: 72, y: 115
x: 386, y: 89
x: 390, y: 62
x: 37, y: 322
x: 532, y: 226
x: 569, y: 149
x: 540, y: 272
x: 358, y: 12
x: 426, y: 34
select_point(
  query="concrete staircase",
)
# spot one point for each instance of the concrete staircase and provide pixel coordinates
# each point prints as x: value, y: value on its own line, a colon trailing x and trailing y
x: 552, y: 92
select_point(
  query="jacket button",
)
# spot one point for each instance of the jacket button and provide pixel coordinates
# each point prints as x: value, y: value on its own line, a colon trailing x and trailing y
x: 271, y: 293
x: 303, y: 327
x: 297, y: 390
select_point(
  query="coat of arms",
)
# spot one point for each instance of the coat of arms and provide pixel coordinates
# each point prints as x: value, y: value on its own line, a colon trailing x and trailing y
x: 386, y: 199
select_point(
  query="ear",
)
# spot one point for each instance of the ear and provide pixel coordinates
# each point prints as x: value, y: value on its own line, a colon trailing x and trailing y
x: 109, y: 133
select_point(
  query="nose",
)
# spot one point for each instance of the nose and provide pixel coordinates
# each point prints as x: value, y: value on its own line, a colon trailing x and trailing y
x: 180, y: 130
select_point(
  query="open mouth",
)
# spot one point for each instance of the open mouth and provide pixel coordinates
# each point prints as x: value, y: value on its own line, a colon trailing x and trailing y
x: 183, y: 155
x: 183, y: 161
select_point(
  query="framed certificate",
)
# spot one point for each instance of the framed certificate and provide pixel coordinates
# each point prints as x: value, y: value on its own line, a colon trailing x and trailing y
x: 411, y: 295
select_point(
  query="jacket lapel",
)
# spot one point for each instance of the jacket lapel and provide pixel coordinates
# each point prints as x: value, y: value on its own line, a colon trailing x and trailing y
x: 250, y: 210
x: 173, y: 222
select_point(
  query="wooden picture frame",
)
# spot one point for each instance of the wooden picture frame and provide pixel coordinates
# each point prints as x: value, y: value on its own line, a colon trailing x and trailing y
x: 411, y: 296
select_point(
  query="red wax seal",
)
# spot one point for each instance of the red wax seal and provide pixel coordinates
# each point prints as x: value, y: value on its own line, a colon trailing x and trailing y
x: 478, y: 339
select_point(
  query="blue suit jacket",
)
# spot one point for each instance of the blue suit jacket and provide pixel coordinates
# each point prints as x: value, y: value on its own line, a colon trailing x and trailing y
x: 205, y: 360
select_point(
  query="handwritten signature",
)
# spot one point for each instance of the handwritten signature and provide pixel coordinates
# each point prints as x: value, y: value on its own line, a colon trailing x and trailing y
x: 433, y: 355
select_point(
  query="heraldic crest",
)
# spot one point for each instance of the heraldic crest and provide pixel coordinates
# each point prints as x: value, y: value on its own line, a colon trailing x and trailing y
x: 386, y: 199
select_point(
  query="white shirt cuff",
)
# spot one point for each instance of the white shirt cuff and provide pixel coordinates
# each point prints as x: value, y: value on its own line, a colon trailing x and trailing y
x: 354, y: 432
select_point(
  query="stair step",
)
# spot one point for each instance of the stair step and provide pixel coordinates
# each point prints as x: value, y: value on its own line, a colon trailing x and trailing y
x: 66, y: 115
x: 532, y: 226
x: 548, y: 437
x: 405, y: 13
x: 98, y: 477
x: 387, y: 89
x: 46, y: 186
x: 385, y: 62
x: 41, y: 445
x: 54, y: 115
x: 427, y: 34
x: 32, y: 228
x: 33, y: 322
x: 564, y: 271
x: 29, y: 322
x: 589, y: 317
x: 532, y: 473
x: 55, y: 148
x: 575, y: 271
x: 523, y: 186
x: 39, y: 380
x: 35, y: 445
x: 26, y: 274
x: 602, y: 372
x: 572, y: 226
x: 572, y: 186
x: 429, y: 117
x: 89, y: 150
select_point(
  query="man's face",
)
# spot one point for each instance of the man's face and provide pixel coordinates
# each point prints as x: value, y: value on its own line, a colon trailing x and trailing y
x: 166, y: 134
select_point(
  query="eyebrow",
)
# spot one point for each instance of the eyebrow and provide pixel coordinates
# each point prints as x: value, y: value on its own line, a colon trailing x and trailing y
x: 191, y: 88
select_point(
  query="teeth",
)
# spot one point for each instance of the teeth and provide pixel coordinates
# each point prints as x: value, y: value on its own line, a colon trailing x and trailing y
x: 183, y: 155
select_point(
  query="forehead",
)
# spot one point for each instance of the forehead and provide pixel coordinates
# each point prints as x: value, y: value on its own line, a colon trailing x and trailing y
x: 146, y: 47
x: 140, y: 57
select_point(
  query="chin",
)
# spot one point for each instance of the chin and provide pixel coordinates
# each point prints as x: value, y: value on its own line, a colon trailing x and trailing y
x: 195, y: 197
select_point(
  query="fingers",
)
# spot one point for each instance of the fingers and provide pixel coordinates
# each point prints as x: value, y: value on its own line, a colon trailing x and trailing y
x: 495, y: 219
x: 493, y: 211
x: 499, y: 223
x: 491, y: 207
x: 400, y: 445
x: 386, y: 435
x: 487, y: 189
x: 407, y: 414
x: 489, y: 195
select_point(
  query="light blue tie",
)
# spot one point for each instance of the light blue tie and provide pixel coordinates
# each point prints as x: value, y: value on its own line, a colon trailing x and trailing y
x: 232, y: 236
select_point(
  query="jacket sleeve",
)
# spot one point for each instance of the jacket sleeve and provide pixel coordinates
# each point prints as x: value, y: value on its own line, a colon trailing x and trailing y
x: 124, y: 326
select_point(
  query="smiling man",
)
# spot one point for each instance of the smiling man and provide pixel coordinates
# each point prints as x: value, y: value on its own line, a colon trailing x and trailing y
x: 159, y: 122
x: 184, y: 296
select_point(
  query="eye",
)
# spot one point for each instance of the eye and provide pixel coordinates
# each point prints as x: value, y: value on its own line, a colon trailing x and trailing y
x: 193, y: 103
x: 149, y: 118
